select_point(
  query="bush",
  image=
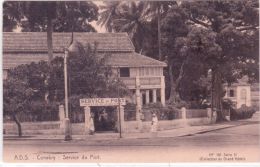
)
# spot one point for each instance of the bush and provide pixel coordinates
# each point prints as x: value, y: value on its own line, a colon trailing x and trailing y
x: 179, y: 104
x: 169, y: 112
x: 36, y: 111
x: 42, y: 111
x: 243, y: 112
x: 227, y: 104
x: 130, y: 112
x: 130, y: 106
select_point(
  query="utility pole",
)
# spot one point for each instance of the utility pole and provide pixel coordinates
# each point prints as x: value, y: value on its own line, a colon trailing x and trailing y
x: 119, y: 106
x: 67, y: 120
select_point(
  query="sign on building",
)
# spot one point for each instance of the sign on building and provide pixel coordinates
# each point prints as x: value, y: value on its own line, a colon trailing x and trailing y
x: 102, y: 102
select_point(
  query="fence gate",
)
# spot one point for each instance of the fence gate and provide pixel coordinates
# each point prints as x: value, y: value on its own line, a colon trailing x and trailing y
x: 91, y: 102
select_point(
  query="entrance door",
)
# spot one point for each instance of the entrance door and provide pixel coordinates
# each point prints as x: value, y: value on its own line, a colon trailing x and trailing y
x: 104, y: 119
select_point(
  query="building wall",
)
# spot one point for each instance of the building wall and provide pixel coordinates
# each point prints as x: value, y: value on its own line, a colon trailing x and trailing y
x: 149, y: 77
x: 143, y: 71
x: 255, y: 95
x: 242, y: 95
x: 5, y: 72
x: 150, y: 71
x: 150, y: 82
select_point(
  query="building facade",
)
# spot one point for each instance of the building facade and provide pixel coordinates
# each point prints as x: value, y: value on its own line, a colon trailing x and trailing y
x: 141, y: 74
x: 243, y: 93
x: 142, y: 78
x: 239, y: 94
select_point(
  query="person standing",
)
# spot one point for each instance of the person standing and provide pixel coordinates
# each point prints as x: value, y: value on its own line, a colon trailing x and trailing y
x: 91, y: 124
x: 154, y: 124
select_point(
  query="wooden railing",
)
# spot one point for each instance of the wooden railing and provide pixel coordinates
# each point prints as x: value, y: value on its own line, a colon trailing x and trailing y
x: 129, y: 82
x: 145, y: 82
x: 150, y: 81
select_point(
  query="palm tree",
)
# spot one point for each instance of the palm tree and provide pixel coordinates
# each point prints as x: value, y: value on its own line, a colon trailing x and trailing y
x: 154, y: 10
x: 131, y: 19
x: 109, y: 12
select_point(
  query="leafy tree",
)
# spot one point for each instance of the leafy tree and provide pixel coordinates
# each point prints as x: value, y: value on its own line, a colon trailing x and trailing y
x: 50, y: 16
x: 89, y: 76
x: 40, y: 16
x: 75, y: 16
x: 16, y: 95
x: 25, y: 83
x: 235, y: 25
x: 174, y: 31
x: 11, y: 16
x: 155, y: 10
x: 221, y: 39
x: 34, y: 75
x: 200, y: 48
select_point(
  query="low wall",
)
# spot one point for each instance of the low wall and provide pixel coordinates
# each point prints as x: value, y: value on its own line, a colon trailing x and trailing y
x: 32, y: 127
x: 132, y: 126
x: 53, y: 128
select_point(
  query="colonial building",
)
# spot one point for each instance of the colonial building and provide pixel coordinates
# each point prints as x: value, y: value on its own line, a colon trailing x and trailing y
x: 243, y: 93
x: 239, y: 94
x: 141, y: 74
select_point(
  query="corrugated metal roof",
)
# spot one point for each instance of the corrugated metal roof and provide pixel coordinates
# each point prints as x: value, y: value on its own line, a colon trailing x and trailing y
x: 37, y: 41
x: 11, y: 60
x: 132, y: 60
x: 23, y: 48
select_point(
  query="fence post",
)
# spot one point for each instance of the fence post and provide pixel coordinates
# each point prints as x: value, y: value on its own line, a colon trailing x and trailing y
x: 122, y: 110
x: 138, y: 103
x: 184, y: 116
x: 210, y: 114
x: 61, y: 116
x: 87, y: 119
x: 214, y: 116
x: 228, y: 115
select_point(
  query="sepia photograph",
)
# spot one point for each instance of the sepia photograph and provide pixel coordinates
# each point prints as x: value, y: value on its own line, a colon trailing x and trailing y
x: 131, y: 81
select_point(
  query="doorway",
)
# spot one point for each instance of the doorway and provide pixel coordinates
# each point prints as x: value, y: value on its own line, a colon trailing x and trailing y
x: 105, y: 119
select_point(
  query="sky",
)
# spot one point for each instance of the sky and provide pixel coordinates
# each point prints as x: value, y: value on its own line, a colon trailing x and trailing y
x: 94, y: 23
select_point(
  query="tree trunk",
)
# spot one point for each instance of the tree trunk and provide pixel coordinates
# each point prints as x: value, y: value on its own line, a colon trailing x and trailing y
x: 49, y: 39
x: 217, y: 95
x: 159, y: 31
x: 18, y: 125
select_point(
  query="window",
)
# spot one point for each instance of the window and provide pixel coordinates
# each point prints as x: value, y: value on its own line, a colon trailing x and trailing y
x: 124, y: 72
x: 231, y: 93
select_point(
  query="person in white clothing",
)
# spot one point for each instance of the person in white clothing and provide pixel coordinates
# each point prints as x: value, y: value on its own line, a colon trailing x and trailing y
x: 91, y: 124
x: 154, y: 123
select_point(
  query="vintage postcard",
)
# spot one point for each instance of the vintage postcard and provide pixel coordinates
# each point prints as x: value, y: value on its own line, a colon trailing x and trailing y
x: 131, y: 81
